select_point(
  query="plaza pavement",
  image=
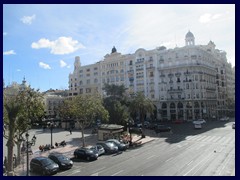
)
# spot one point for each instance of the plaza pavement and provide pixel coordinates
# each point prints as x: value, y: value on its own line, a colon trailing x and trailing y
x: 73, y: 141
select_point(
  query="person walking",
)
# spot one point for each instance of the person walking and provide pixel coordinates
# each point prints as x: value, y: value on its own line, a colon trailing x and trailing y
x: 15, y: 160
x: 70, y: 130
x: 5, y: 163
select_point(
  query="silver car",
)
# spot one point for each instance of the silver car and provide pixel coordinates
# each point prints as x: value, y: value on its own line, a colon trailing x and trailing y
x: 99, y: 149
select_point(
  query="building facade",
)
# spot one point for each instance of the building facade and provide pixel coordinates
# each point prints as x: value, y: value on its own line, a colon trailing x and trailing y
x: 194, y: 81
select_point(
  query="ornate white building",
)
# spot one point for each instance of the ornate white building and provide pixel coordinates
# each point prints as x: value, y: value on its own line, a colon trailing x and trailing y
x: 187, y: 82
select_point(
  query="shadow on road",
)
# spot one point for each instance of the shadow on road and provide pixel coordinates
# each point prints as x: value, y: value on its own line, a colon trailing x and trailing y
x: 185, y: 129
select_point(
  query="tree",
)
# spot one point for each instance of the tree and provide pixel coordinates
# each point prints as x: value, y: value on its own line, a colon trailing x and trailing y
x: 114, y: 91
x: 84, y: 109
x: 116, y: 103
x: 19, y: 111
x: 141, y: 105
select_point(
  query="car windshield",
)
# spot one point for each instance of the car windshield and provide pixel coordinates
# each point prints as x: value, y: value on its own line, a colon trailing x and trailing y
x: 115, y: 141
x: 62, y: 158
x: 89, y: 150
x: 110, y: 144
x: 46, y: 162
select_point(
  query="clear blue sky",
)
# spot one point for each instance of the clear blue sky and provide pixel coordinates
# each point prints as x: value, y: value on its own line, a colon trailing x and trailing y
x: 40, y: 42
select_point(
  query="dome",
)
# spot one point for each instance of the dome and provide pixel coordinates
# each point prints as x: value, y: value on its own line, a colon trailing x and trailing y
x: 189, y: 35
x: 114, y: 49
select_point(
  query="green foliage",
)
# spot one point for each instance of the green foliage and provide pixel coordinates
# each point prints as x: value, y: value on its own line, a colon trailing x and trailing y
x: 141, y: 105
x: 84, y: 109
x: 116, y: 103
x: 19, y: 110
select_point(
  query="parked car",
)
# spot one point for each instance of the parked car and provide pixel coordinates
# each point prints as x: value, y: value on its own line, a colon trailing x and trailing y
x: 233, y: 125
x: 62, y: 161
x: 43, y: 165
x: 99, y: 149
x: 121, y: 146
x: 85, y: 153
x: 178, y: 121
x: 199, y: 121
x: 152, y: 125
x: 138, y: 124
x: 146, y: 124
x: 109, y: 147
x: 224, y: 118
x: 162, y: 128
x: 198, y: 125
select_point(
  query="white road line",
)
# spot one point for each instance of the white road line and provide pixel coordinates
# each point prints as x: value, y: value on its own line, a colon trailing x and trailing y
x: 197, y: 164
x: 189, y: 163
x: 117, y: 173
x: 151, y: 157
x: 169, y: 159
x: 95, y: 174
x: 74, y: 172
x: 98, y: 171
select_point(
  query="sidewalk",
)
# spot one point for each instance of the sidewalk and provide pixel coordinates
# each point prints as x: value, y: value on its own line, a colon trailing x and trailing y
x: 69, y: 149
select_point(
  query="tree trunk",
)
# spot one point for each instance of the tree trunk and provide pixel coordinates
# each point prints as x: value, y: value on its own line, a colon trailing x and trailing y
x: 83, y: 138
x: 10, y: 144
x: 143, y: 128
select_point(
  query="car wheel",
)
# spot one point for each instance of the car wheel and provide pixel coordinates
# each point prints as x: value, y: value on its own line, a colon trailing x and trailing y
x: 44, y: 173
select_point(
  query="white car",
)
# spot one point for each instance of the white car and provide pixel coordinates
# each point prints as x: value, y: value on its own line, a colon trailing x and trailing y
x: 198, y: 126
x: 224, y: 119
x: 199, y: 121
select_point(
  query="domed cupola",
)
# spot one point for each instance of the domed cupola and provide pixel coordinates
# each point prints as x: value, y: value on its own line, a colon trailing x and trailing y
x: 114, y: 50
x: 189, y: 39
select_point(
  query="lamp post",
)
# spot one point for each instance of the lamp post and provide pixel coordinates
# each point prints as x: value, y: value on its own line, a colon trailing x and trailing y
x: 129, y: 130
x: 27, y: 135
x: 51, y: 126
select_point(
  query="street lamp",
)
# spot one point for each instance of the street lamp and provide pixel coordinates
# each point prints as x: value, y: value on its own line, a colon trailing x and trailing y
x: 27, y: 135
x: 51, y: 126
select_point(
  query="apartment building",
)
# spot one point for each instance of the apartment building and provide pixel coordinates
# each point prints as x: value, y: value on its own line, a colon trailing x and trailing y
x: 193, y: 81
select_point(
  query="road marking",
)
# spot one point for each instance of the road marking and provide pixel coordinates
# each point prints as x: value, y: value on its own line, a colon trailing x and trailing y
x: 117, y: 173
x: 197, y: 164
x: 74, y: 172
x: 189, y: 163
x: 95, y: 174
x: 169, y: 159
x: 151, y: 157
x: 98, y: 171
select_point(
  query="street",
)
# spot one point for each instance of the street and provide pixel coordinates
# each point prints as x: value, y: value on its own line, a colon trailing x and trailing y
x: 210, y: 153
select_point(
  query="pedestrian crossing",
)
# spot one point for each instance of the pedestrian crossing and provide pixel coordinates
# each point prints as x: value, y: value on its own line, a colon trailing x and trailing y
x: 200, y: 138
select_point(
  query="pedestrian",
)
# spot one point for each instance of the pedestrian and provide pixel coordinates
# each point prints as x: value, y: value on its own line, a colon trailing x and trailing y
x: 15, y: 160
x: 70, y: 130
x: 5, y: 162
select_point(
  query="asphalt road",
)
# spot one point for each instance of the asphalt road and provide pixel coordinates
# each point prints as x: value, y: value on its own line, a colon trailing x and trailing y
x: 187, y: 152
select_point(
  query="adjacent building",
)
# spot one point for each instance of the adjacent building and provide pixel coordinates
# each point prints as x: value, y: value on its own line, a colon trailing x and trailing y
x: 193, y: 81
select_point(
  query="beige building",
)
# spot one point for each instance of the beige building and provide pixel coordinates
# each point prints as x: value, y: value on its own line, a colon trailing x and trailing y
x: 187, y: 82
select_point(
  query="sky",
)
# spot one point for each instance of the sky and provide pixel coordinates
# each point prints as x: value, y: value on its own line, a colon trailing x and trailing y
x: 40, y: 41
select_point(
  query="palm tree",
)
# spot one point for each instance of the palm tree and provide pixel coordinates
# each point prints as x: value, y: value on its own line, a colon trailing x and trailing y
x: 141, y: 105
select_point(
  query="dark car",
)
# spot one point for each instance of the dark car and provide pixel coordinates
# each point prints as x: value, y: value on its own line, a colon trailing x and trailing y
x: 62, y: 161
x: 121, y: 146
x: 109, y: 147
x: 86, y: 153
x: 162, y: 128
x: 44, y: 166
